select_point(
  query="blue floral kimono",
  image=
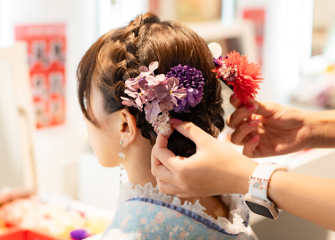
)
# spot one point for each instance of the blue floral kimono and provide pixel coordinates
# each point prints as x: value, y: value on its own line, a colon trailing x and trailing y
x: 145, y: 213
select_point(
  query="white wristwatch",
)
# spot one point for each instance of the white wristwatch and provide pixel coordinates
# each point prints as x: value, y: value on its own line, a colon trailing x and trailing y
x: 257, y: 197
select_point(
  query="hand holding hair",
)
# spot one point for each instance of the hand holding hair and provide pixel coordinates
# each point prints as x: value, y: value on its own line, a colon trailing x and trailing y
x: 216, y: 168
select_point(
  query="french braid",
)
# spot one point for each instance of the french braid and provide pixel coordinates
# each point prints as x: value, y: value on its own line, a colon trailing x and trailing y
x: 123, y: 45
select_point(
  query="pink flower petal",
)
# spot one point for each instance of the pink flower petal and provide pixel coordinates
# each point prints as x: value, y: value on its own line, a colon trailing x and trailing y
x: 143, y: 69
x: 130, y: 103
x: 153, y: 66
x: 161, y: 91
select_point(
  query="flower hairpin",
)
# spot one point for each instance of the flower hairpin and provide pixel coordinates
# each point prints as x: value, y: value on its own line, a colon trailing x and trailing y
x: 178, y: 90
x: 239, y: 75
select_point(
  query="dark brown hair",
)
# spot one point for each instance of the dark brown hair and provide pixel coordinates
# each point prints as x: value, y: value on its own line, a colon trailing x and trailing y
x: 117, y: 55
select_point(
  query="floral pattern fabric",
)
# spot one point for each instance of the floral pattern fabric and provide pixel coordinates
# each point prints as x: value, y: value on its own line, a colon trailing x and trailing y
x: 141, y: 220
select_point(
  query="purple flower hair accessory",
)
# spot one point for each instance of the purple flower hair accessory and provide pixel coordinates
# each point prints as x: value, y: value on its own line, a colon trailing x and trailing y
x: 193, y: 81
x: 178, y: 90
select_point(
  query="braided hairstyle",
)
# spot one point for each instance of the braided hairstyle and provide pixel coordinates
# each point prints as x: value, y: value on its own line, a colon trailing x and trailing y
x: 117, y: 56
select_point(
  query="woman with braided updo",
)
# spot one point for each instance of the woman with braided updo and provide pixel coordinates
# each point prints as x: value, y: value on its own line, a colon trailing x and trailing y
x: 121, y: 132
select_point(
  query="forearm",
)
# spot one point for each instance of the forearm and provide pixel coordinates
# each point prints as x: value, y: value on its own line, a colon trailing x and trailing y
x: 308, y: 197
x: 322, y: 126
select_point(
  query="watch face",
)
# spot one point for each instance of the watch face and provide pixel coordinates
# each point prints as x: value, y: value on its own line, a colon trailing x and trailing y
x: 259, y: 209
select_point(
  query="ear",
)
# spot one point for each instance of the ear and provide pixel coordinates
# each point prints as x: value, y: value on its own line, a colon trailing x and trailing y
x: 128, y: 129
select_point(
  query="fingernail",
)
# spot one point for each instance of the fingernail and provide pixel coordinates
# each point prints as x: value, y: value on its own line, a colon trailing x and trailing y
x: 255, y: 139
x: 254, y: 123
x: 175, y: 121
x: 251, y: 107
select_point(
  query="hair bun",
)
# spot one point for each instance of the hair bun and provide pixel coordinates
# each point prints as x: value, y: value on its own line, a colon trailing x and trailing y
x: 135, y: 25
x: 150, y: 18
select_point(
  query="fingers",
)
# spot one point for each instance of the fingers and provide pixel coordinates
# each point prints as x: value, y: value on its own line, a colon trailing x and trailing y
x: 160, y: 153
x: 161, y: 141
x: 159, y: 170
x: 234, y: 100
x: 168, y: 188
x: 250, y: 146
x: 267, y: 109
x: 161, y: 160
x: 163, y: 173
x: 240, y: 114
x: 238, y: 136
x: 193, y: 132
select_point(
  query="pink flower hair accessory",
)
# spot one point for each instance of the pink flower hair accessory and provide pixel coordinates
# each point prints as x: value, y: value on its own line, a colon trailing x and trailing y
x: 178, y: 90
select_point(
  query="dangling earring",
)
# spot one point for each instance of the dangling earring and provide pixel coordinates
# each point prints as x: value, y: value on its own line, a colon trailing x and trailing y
x: 122, y: 156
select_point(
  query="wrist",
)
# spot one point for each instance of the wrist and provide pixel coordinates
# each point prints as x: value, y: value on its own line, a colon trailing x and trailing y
x: 257, y: 198
x: 322, y: 125
x: 243, y: 178
x: 276, y: 187
x: 310, y: 122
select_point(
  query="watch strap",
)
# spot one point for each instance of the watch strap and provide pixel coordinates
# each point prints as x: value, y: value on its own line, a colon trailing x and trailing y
x: 260, y: 179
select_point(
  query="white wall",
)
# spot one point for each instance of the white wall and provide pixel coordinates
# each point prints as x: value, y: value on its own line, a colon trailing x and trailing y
x: 57, y: 148
x: 282, y: 48
x: 286, y: 43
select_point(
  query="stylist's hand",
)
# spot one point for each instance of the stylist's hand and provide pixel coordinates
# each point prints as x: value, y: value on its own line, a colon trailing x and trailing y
x: 214, y: 169
x: 271, y: 129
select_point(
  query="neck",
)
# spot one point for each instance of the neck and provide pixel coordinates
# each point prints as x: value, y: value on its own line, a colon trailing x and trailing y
x: 137, y: 162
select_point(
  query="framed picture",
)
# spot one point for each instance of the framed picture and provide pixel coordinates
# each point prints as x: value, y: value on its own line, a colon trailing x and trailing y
x: 47, y: 56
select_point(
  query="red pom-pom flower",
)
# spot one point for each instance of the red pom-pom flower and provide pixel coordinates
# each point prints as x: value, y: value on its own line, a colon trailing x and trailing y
x: 240, y: 75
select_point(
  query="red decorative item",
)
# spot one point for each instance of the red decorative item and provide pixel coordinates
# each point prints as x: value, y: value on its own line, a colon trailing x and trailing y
x: 22, y: 234
x: 240, y: 75
x: 257, y: 17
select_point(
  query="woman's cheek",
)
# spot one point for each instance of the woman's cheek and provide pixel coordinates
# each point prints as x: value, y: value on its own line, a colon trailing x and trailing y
x: 102, y: 145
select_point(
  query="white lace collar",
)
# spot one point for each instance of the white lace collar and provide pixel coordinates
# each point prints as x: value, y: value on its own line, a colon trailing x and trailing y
x: 238, y: 210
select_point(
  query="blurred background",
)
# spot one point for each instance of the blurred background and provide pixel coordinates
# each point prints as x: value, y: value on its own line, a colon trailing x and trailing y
x: 43, y: 140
